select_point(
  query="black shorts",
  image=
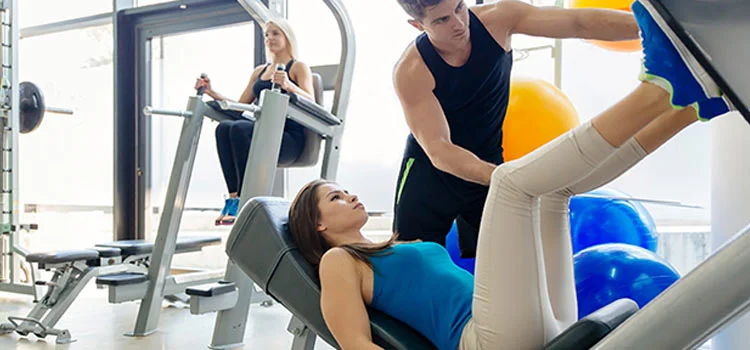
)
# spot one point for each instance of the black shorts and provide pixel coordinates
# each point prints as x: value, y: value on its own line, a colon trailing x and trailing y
x: 429, y: 200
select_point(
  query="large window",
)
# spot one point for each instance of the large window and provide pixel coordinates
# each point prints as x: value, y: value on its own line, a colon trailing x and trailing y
x: 67, y: 162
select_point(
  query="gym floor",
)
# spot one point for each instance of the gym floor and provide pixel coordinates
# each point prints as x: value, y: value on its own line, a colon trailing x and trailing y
x: 96, y: 324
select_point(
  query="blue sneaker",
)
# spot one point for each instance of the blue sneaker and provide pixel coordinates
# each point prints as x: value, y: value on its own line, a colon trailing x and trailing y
x: 228, y: 202
x: 712, y: 108
x: 668, y: 63
x: 233, y: 206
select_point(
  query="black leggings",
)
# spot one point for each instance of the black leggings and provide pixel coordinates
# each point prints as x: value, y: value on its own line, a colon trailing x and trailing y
x: 233, y: 139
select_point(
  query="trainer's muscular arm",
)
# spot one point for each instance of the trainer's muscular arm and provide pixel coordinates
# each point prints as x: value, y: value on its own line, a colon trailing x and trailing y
x: 427, y: 122
x: 508, y: 17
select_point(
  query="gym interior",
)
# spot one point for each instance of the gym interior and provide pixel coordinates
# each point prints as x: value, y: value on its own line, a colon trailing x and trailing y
x: 111, y: 183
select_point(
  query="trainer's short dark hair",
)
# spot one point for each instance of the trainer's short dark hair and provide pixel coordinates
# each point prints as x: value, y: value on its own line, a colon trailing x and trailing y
x: 416, y: 8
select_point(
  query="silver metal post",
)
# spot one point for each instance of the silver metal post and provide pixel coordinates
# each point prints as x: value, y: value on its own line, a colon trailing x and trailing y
x: 169, y: 223
x: 343, y: 87
x: 229, y: 329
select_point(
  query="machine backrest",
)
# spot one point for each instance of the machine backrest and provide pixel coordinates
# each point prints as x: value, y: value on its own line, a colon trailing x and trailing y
x: 262, y: 247
x: 311, y: 151
x: 318, y: 88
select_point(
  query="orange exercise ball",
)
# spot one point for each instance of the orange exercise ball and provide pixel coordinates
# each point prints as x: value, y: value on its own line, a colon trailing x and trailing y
x: 622, y: 5
x: 537, y: 113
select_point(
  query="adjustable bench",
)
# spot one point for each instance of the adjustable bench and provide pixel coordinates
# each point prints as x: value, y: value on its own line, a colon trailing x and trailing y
x: 261, y: 246
x: 122, y: 265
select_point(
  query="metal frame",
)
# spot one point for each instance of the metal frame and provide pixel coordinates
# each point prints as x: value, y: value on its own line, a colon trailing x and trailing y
x: 68, y: 281
x: 71, y: 24
x: 11, y: 251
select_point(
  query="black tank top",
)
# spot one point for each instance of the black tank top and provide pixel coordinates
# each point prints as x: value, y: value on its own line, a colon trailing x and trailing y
x: 474, y: 97
x: 260, y: 85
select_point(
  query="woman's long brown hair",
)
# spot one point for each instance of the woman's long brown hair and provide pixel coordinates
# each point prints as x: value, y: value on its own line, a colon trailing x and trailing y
x: 304, y: 216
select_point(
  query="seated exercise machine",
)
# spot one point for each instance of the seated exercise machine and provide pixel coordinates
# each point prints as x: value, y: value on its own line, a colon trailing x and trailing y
x: 682, y: 317
x: 232, y: 296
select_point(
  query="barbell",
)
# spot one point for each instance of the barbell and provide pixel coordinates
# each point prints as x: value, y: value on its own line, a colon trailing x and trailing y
x: 32, y: 107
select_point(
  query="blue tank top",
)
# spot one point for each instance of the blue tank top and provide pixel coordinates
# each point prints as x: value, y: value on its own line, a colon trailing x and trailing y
x: 260, y: 85
x: 424, y: 289
x: 474, y: 97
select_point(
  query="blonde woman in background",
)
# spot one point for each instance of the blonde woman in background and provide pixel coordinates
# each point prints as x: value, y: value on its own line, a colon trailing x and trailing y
x: 233, y: 137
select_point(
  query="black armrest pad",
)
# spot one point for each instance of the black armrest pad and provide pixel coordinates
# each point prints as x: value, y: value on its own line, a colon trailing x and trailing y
x: 211, y: 289
x: 591, y: 329
x: 121, y: 279
x: 314, y: 109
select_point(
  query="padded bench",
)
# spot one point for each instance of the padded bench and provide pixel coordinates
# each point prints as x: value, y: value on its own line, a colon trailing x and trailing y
x: 123, y: 265
x: 262, y: 247
x: 93, y: 256
x: 142, y: 247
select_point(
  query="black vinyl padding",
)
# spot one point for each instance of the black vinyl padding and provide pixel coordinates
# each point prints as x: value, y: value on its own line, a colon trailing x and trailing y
x: 211, y: 290
x: 314, y: 109
x: 62, y: 256
x: 184, y: 245
x: 591, y: 329
x: 121, y: 279
x: 106, y: 252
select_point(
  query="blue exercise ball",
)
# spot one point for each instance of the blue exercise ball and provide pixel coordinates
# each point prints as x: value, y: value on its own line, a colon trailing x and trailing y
x: 595, y: 220
x: 608, y: 272
x: 451, y: 244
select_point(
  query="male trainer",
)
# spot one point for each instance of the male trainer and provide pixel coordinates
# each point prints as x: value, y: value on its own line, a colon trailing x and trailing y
x: 453, y: 83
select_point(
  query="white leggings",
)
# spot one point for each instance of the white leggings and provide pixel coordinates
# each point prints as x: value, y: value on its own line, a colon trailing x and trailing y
x: 524, y: 288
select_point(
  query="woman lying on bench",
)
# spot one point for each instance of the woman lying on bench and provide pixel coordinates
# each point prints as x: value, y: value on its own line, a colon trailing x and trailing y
x: 523, y: 291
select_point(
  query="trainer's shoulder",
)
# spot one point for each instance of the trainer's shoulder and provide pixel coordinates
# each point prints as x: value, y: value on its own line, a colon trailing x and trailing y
x: 500, y: 15
x: 411, y: 68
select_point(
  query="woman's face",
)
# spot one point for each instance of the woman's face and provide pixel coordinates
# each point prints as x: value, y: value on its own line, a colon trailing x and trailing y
x: 340, y: 212
x: 275, y: 39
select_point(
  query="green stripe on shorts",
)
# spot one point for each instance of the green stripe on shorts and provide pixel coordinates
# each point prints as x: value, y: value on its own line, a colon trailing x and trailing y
x: 403, y: 178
